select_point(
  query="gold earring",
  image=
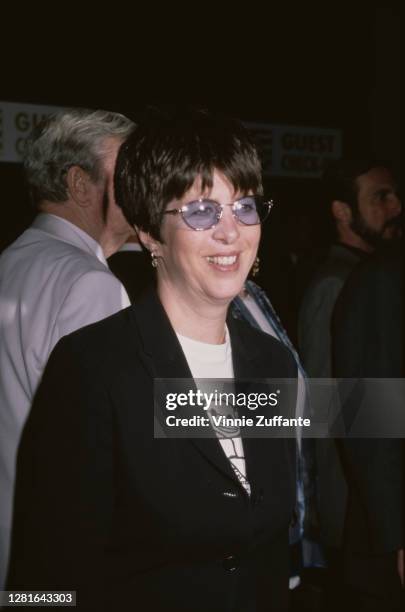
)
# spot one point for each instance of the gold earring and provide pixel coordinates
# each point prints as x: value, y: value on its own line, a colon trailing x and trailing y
x: 154, y: 261
x: 256, y: 267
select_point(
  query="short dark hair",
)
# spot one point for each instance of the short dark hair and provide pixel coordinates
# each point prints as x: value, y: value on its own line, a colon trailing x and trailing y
x: 163, y: 157
x: 340, y: 176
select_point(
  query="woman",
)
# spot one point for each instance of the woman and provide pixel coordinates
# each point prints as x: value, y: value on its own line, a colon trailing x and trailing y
x: 102, y: 507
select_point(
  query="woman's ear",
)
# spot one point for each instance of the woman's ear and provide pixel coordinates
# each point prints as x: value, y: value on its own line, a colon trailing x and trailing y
x: 148, y: 242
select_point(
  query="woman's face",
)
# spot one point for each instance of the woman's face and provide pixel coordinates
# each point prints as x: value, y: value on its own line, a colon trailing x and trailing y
x: 211, y: 265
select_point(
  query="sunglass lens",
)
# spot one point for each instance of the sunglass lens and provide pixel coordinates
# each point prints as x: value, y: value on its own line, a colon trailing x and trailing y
x: 249, y: 210
x: 200, y: 215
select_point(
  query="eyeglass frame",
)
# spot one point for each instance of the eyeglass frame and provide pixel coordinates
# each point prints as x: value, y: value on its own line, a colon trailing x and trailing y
x: 174, y: 211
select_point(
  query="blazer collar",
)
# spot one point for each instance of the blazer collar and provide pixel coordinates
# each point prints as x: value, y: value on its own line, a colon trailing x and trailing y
x: 158, y: 338
x: 160, y: 342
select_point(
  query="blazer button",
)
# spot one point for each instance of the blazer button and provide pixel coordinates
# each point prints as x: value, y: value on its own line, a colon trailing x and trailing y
x: 230, y: 564
x: 232, y: 494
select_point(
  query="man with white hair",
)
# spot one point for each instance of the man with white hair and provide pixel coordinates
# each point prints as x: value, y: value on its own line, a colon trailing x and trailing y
x: 54, y: 278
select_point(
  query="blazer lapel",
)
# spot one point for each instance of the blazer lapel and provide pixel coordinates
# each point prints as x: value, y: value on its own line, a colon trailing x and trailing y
x: 164, y: 359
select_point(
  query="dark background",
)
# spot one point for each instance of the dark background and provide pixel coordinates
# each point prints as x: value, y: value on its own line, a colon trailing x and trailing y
x: 329, y: 65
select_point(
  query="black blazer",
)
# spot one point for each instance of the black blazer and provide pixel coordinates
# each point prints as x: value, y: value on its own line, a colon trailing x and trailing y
x: 136, y: 523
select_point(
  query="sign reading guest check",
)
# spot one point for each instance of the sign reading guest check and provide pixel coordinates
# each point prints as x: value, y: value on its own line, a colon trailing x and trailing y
x: 16, y: 122
x: 286, y: 150
x: 295, y: 151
